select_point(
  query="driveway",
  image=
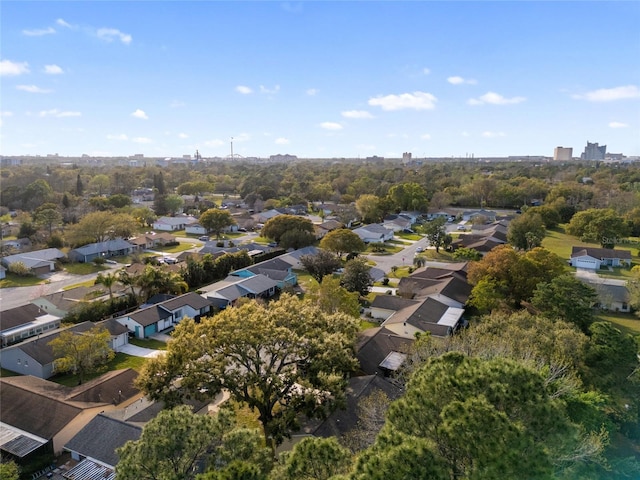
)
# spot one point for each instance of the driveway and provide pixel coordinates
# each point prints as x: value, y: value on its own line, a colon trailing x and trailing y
x: 590, y: 276
x: 136, y: 351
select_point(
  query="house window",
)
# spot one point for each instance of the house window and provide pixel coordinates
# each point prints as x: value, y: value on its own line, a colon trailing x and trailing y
x: 26, y: 363
x: 19, y: 362
x: 624, y: 306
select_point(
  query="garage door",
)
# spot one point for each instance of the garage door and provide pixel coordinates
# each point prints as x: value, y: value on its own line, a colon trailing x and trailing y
x: 586, y: 263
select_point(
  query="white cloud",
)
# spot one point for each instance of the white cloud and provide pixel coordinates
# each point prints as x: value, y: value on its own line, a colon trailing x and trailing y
x: 121, y: 136
x: 39, y: 32
x: 282, y: 141
x: 53, y: 70
x: 7, y: 67
x: 493, y: 98
x: 213, y: 143
x: 489, y: 134
x: 183, y: 135
x: 618, y: 125
x: 425, y: 136
x: 140, y: 114
x: 415, y: 101
x: 461, y: 81
x: 271, y: 91
x: 32, y: 89
x: 62, y: 23
x: 109, y: 34
x: 59, y: 114
x: 357, y: 114
x: 141, y: 140
x: 243, y: 90
x: 426, y: 71
x: 312, y: 91
x: 610, y: 94
x: 331, y: 126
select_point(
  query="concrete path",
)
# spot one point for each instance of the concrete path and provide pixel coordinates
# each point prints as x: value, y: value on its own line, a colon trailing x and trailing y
x: 136, y: 351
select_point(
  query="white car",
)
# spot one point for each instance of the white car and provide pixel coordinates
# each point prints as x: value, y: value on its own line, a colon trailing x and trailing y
x: 462, y: 228
x: 419, y: 249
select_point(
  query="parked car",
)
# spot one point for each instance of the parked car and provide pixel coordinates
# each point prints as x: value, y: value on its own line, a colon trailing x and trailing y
x: 419, y: 249
x: 462, y: 228
x: 170, y: 260
x: 111, y: 262
x: 204, y: 238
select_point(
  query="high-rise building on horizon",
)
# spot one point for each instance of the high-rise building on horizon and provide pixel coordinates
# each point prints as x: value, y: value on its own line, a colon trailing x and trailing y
x: 594, y: 152
x: 563, y: 153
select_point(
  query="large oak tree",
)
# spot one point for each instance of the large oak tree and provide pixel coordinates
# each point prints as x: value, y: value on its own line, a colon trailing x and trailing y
x: 281, y: 359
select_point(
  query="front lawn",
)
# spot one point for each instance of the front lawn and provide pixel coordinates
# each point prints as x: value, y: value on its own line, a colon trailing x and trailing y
x: 385, y: 249
x: 408, y: 236
x: 148, y: 343
x: 627, y: 322
x: 366, y: 324
x: 83, y: 268
x: 561, y: 243
x: 175, y: 248
x: 120, y: 362
x: 13, y: 280
x: 88, y: 283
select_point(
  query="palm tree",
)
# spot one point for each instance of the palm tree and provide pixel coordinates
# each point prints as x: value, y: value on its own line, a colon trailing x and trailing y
x: 419, y: 261
x: 155, y: 280
x: 108, y: 280
x: 128, y: 280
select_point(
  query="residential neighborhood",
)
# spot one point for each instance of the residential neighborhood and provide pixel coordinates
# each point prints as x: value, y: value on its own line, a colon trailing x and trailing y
x: 404, y: 286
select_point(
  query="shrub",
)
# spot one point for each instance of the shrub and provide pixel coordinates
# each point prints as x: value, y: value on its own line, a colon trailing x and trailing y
x: 99, y: 261
x: 20, y: 269
x: 385, y: 281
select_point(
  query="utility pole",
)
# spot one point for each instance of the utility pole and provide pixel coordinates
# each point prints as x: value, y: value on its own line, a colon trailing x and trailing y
x: 231, y: 148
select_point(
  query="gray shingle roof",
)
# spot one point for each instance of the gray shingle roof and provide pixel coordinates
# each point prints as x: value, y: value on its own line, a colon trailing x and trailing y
x: 103, y: 247
x: 600, y: 253
x: 100, y: 438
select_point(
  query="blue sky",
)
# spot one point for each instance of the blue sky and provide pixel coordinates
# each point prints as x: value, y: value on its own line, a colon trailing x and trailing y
x: 318, y: 78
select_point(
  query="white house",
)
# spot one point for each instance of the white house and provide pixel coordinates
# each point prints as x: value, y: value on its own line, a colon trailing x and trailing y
x: 374, y: 233
x: 164, y: 315
x: 170, y: 224
x: 195, y: 229
x: 38, y: 261
x: 397, y: 223
x: 594, y: 258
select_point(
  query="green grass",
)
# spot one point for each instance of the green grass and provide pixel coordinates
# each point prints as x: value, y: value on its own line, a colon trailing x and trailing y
x: 176, y: 248
x: 388, y: 250
x: 148, y: 343
x: 12, y: 280
x: 365, y: 324
x: 121, y: 361
x: 7, y: 373
x: 561, y: 243
x: 618, y: 272
x: 88, y: 283
x: 626, y: 322
x: 305, y: 280
x: 408, y: 236
x: 400, y: 272
x: 443, y: 255
x: 83, y: 268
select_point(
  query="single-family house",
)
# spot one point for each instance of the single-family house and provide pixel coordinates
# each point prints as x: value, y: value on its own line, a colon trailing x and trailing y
x: 429, y: 315
x: 473, y: 215
x: 195, y: 229
x: 34, y: 356
x: 374, y: 233
x: 20, y: 323
x: 264, y: 217
x: 63, y: 302
x: 106, y: 249
x: 38, y: 261
x: 226, y: 292
x: 327, y: 226
x: 165, y: 315
x: 293, y: 257
x: 397, y: 223
x: 3, y: 272
x: 151, y: 240
x: 413, y: 215
x: 444, y: 214
x: 381, y: 351
x: 170, y: 224
x: 17, y: 245
x: 40, y: 417
x: 594, y: 258
x: 94, y: 447
x: 275, y: 269
x: 611, y: 295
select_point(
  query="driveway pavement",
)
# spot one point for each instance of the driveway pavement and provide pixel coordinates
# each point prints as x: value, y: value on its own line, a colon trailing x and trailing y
x: 136, y: 351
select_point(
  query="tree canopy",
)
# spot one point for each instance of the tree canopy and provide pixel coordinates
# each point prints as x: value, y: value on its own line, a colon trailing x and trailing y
x: 82, y: 353
x: 357, y: 276
x: 342, y: 241
x: 282, y: 359
x: 320, y: 264
x: 277, y: 226
x: 215, y: 220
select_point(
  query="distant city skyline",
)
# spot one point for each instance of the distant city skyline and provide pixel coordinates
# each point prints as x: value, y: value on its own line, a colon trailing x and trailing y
x: 318, y: 79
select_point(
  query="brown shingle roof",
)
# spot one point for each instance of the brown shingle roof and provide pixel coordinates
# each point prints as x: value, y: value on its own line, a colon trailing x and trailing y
x: 600, y: 253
